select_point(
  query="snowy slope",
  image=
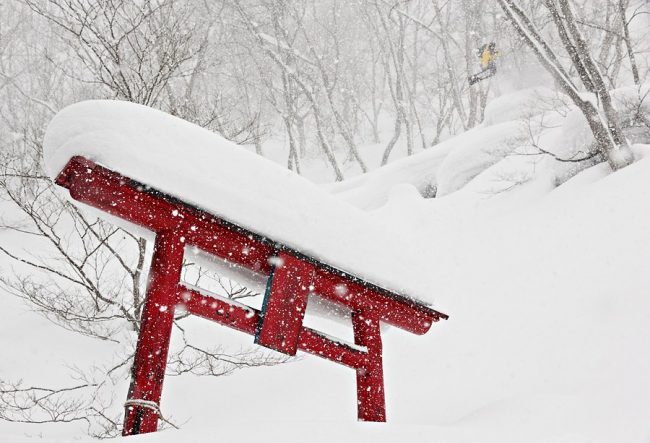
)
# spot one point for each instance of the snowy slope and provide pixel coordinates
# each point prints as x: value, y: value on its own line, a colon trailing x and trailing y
x: 502, y: 153
x: 547, y: 342
x: 547, y: 289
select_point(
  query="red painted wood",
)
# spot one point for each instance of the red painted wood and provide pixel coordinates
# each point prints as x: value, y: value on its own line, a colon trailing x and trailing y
x: 104, y: 189
x: 97, y: 186
x: 285, y: 304
x: 371, y: 405
x: 150, y: 359
x: 176, y: 224
x: 315, y: 343
x: 245, y: 319
x: 398, y: 311
x: 235, y: 316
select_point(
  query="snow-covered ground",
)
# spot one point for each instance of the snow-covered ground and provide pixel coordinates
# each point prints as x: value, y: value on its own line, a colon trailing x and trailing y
x: 546, y: 287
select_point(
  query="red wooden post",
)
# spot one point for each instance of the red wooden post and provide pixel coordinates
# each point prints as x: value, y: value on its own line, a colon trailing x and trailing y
x: 142, y: 405
x: 371, y: 405
x: 285, y: 304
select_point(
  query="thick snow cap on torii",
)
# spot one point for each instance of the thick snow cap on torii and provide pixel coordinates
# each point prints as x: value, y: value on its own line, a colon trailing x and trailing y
x: 203, y: 169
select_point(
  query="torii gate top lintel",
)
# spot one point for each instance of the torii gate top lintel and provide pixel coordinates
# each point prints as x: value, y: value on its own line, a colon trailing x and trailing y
x: 255, y: 255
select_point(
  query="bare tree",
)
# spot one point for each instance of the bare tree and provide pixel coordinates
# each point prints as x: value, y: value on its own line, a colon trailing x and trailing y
x: 134, y: 51
x: 280, y: 51
x: 622, y: 8
x: 601, y: 117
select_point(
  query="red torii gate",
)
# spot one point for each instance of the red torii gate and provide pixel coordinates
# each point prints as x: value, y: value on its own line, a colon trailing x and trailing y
x: 279, y: 325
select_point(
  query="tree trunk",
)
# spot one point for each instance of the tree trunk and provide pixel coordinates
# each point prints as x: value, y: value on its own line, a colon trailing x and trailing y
x: 605, y: 127
x: 622, y: 6
x: 292, y: 159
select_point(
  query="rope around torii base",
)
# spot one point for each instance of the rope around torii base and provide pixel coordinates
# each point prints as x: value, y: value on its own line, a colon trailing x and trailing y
x: 149, y: 405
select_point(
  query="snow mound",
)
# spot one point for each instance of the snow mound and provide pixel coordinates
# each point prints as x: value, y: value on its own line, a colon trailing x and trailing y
x: 520, y: 105
x: 212, y: 173
x: 632, y: 98
x: 476, y: 150
x: 371, y: 190
x: 633, y: 106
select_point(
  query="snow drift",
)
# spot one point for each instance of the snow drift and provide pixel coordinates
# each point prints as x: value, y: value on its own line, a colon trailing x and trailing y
x: 547, y: 288
x: 212, y: 173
